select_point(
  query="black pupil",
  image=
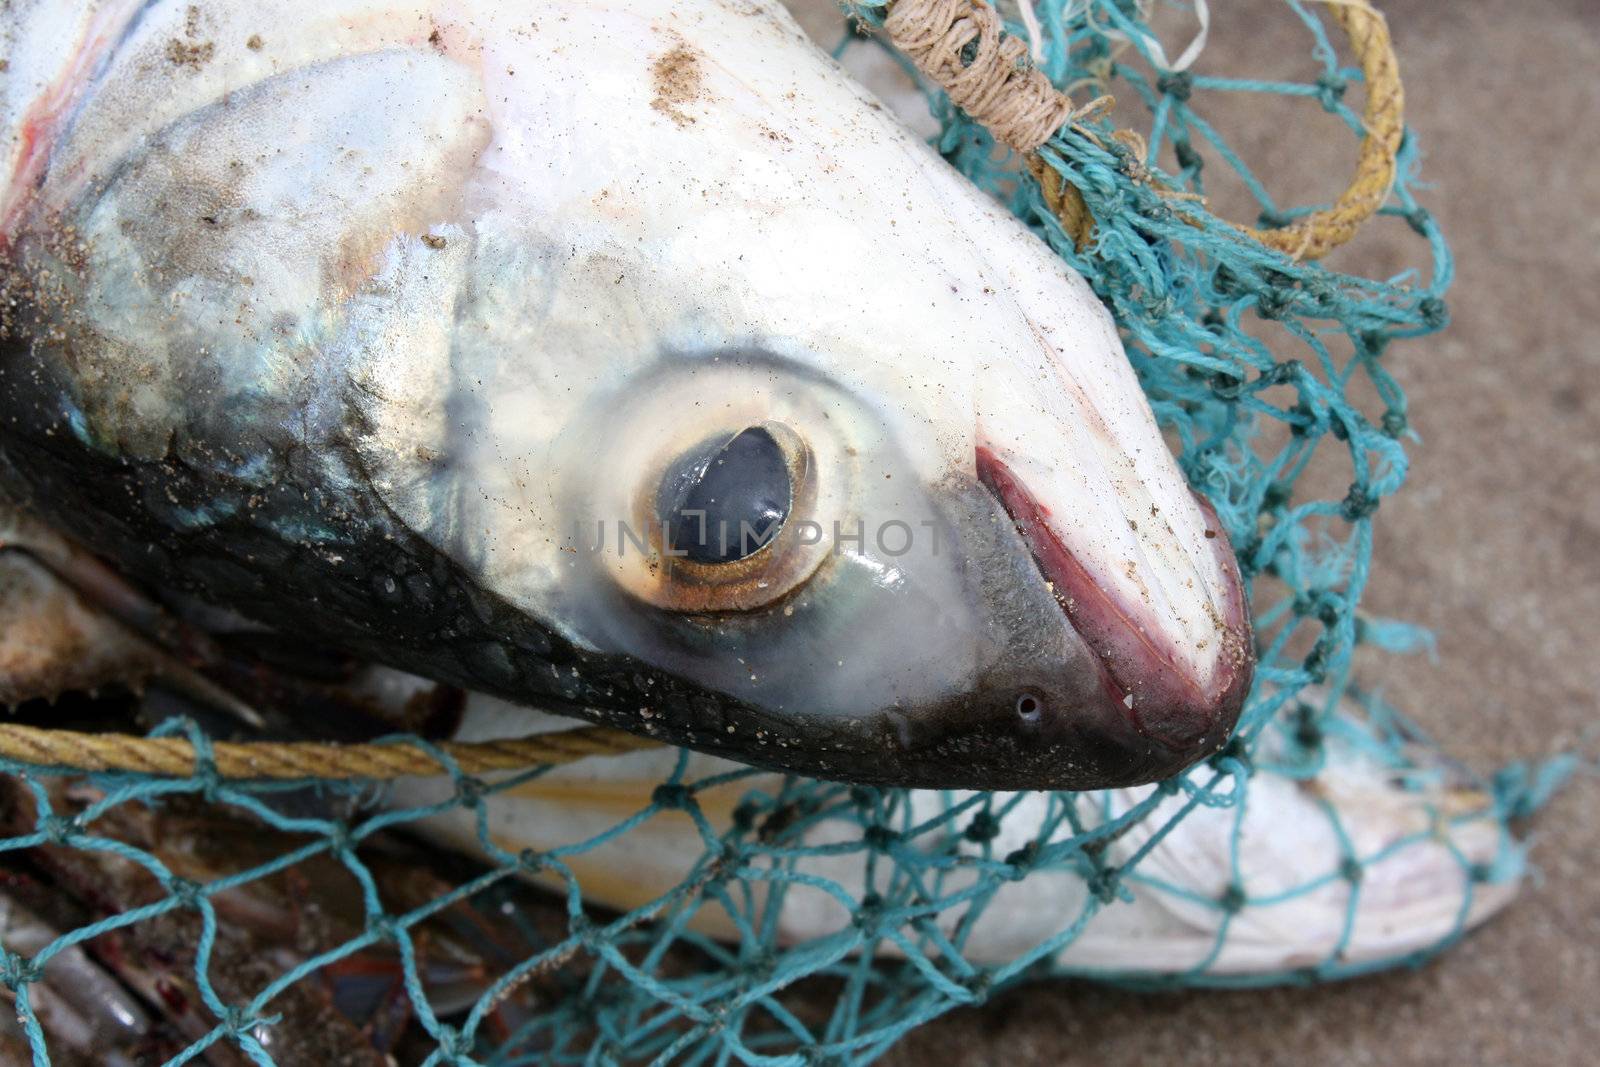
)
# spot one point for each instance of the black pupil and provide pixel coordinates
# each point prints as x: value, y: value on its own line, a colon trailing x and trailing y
x: 723, y: 502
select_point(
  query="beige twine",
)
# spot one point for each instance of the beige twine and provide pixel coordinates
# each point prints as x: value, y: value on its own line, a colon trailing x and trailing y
x: 987, y: 74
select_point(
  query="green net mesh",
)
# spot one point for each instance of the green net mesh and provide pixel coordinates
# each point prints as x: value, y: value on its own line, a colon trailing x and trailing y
x: 317, y: 934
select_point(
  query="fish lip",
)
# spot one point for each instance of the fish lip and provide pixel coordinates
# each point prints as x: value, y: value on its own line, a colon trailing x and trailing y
x: 1141, y: 677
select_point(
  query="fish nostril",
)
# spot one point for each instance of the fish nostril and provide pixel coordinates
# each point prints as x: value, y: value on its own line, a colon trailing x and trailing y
x: 1029, y: 708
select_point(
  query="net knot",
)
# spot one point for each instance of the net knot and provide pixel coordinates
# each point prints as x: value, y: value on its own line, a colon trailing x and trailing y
x: 670, y: 796
x: 470, y: 790
x: 205, y: 771
x: 868, y: 914
x: 978, y: 983
x: 1317, y: 602
x: 238, y: 1023
x: 455, y: 1045
x: 1105, y: 884
x: 1290, y: 370
x: 1021, y: 861
x: 588, y: 934
x: 1225, y: 385
x: 723, y: 862
x: 382, y: 928
x: 1330, y: 91
x: 339, y: 839
x: 1178, y: 84
x: 1316, y: 662
x: 1373, y: 342
x: 59, y: 829
x: 1273, y: 304
x: 187, y: 893
x: 761, y: 966
x: 17, y: 970
x: 1188, y: 158
x: 1359, y: 503
x: 1308, y: 727
x: 983, y: 827
x: 1435, y: 314
x: 880, y: 838
x: 1304, y: 421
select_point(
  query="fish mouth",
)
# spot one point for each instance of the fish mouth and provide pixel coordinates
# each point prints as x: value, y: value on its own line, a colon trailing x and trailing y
x: 1176, y: 700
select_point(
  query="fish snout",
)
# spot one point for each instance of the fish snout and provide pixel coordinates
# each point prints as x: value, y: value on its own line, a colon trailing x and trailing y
x: 1161, y: 695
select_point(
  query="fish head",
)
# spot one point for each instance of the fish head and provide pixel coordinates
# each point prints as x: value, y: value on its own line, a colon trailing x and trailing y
x: 625, y: 359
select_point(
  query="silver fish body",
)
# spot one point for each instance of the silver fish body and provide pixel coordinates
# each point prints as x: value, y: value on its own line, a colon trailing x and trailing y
x: 417, y: 328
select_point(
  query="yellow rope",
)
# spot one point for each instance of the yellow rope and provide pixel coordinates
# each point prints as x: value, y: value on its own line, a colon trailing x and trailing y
x: 306, y: 759
x: 929, y: 31
x: 1384, y: 119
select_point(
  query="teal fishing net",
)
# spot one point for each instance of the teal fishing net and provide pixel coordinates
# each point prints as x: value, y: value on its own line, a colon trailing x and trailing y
x: 297, y: 922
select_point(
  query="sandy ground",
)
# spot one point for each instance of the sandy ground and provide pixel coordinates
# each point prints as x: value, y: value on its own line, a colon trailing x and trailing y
x: 1494, y: 544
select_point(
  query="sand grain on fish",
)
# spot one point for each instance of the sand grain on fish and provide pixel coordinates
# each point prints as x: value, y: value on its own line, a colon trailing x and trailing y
x: 677, y: 80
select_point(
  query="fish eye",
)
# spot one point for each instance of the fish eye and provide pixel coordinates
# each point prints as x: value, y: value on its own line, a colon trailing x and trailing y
x: 727, y: 499
x: 729, y: 522
x: 705, y: 509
